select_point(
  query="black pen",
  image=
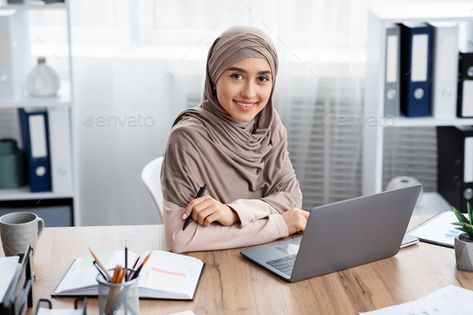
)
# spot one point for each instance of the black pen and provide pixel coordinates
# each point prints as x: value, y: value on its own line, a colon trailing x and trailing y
x: 189, y: 218
x: 126, y: 260
x: 137, y: 272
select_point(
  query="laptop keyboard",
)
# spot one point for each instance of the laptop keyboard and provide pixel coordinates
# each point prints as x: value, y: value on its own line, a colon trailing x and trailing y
x: 284, y: 264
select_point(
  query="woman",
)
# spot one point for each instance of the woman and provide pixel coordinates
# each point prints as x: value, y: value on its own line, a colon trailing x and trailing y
x: 235, y: 144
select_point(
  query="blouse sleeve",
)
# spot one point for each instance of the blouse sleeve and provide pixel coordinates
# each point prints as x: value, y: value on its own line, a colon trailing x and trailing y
x: 260, y: 229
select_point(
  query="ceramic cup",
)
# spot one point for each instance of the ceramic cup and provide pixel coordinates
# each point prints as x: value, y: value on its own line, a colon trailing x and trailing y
x: 19, y: 230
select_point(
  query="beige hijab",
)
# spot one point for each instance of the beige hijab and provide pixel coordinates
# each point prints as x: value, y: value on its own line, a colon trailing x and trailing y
x: 234, y: 160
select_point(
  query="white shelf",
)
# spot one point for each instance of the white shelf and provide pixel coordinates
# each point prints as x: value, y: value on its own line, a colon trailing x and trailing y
x: 421, y: 12
x: 62, y: 99
x: 424, y: 122
x: 24, y: 193
x: 25, y: 7
x: 373, y: 133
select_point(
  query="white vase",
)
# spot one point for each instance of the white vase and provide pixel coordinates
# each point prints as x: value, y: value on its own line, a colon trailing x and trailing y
x: 42, y: 80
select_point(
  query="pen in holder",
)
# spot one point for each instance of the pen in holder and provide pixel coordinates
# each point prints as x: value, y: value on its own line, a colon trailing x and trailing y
x: 118, y: 298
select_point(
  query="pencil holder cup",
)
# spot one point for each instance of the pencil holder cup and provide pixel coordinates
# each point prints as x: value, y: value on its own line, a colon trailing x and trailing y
x: 118, y: 298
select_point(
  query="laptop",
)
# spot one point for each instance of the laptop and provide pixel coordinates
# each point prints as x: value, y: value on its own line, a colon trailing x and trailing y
x: 341, y: 235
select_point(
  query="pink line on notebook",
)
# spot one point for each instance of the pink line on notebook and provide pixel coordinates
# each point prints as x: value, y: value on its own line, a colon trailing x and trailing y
x: 180, y: 274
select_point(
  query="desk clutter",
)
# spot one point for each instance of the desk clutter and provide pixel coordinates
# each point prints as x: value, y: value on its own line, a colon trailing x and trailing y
x: 16, y: 293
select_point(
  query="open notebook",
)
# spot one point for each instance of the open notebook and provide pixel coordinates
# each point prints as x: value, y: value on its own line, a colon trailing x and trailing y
x: 165, y: 276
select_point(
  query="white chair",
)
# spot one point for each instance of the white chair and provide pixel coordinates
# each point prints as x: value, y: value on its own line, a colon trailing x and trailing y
x: 150, y: 175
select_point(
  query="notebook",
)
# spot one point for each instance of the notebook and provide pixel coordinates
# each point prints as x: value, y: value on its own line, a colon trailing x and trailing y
x: 165, y: 276
x: 438, y: 230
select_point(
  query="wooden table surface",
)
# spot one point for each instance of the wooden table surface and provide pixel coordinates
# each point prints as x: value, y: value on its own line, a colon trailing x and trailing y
x: 230, y: 284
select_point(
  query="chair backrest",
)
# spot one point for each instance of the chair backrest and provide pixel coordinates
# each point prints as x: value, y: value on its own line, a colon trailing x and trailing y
x: 150, y: 175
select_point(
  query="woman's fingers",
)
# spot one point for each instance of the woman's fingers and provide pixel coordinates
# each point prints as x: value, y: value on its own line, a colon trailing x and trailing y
x: 199, y: 216
x: 211, y: 218
x: 306, y: 214
x: 205, y: 210
x: 190, y: 207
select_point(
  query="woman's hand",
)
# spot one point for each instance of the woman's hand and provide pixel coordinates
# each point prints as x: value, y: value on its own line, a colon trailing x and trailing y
x: 205, y: 210
x: 296, y: 220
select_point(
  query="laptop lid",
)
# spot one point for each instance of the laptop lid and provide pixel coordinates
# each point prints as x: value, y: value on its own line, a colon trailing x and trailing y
x: 347, y: 234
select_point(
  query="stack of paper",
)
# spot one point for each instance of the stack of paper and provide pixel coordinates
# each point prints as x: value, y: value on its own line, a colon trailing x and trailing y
x: 8, y: 269
x: 451, y: 300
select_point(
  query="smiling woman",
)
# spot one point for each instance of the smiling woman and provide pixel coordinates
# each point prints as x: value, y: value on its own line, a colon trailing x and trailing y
x: 244, y: 89
x: 235, y: 144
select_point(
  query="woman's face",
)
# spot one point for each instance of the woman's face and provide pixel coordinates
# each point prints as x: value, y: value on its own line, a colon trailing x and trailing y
x: 243, y: 90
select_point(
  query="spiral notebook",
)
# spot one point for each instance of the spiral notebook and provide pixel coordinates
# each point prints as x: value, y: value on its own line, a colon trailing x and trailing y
x: 165, y: 276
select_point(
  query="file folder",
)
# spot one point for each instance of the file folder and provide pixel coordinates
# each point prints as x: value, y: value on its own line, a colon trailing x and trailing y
x: 416, y: 69
x: 455, y: 165
x: 465, y: 85
x: 34, y: 132
x: 6, y: 60
x: 392, y: 67
x: 19, y: 294
x: 445, y: 70
x: 61, y: 152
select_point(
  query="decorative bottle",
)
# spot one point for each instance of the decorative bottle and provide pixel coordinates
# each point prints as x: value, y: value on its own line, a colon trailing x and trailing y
x: 42, y: 80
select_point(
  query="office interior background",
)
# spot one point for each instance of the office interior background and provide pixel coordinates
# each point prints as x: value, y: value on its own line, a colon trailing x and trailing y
x: 137, y: 64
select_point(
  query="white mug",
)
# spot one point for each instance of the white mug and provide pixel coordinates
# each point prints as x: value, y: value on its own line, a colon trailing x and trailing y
x: 19, y: 230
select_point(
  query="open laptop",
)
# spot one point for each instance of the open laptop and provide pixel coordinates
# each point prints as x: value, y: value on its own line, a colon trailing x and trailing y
x: 341, y: 235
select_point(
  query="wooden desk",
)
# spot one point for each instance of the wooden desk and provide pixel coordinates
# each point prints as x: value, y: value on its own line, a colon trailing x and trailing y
x: 230, y: 284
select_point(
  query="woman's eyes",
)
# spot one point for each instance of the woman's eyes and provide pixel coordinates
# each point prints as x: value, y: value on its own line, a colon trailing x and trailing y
x: 239, y: 76
x: 264, y: 78
x: 236, y: 76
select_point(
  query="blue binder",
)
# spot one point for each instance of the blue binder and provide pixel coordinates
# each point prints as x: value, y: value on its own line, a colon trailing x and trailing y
x: 34, y: 132
x: 416, y: 69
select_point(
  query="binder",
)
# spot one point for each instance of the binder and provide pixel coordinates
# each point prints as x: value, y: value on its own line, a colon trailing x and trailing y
x: 465, y: 85
x: 61, y: 154
x: 392, y: 67
x: 455, y: 165
x: 19, y: 294
x: 445, y: 70
x: 6, y: 60
x: 34, y: 132
x: 416, y: 69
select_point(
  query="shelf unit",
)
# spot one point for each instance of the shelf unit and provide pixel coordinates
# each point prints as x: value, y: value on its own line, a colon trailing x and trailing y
x: 373, y: 133
x: 63, y: 101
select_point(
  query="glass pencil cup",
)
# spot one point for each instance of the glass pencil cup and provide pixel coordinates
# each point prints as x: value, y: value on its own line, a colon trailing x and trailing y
x: 118, y: 298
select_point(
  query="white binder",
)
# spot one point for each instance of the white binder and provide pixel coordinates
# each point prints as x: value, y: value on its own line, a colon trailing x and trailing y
x: 6, y: 60
x: 445, y: 70
x: 61, y: 152
x: 468, y: 160
x: 392, y: 68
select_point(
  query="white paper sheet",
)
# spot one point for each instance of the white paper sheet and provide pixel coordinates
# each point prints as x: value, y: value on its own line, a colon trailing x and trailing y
x: 8, y: 268
x: 450, y: 300
x: 438, y: 230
